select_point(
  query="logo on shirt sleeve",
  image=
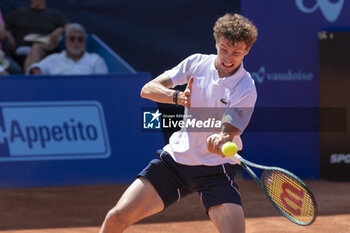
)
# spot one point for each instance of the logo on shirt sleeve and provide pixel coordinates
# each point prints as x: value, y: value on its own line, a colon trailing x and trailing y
x: 239, y: 112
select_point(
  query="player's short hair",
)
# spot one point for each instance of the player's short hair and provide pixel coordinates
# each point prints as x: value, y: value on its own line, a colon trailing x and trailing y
x: 235, y: 28
x: 75, y: 27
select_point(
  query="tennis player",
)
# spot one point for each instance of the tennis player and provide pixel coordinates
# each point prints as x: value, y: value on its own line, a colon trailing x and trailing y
x: 192, y: 161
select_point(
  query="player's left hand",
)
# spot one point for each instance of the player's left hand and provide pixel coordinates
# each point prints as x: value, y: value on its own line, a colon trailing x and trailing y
x: 184, y: 98
x: 214, y: 143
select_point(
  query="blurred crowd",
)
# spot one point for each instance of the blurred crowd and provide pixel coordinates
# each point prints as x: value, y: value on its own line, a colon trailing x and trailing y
x: 36, y: 40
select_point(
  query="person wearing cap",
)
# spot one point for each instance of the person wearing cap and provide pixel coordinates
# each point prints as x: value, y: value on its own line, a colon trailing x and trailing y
x: 72, y: 61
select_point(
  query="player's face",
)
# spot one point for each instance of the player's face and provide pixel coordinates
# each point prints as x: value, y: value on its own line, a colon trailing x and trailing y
x: 230, y: 56
x: 75, y: 43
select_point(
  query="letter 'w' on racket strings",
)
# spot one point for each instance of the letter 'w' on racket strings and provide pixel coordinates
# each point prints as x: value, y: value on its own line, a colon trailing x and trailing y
x: 288, y: 193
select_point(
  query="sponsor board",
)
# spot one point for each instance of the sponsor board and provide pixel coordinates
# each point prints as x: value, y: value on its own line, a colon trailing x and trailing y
x: 330, y: 9
x: 52, y: 130
x: 262, y: 75
x: 339, y: 158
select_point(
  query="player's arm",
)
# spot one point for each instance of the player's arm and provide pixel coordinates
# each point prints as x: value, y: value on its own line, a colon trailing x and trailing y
x: 159, y: 90
x: 227, y: 133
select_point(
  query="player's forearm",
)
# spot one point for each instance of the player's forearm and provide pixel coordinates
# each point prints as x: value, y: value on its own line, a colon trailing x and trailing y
x: 159, y: 90
x: 158, y: 93
x: 228, y: 132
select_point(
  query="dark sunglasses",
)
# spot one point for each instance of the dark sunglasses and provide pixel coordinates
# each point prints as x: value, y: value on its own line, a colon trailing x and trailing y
x: 73, y: 38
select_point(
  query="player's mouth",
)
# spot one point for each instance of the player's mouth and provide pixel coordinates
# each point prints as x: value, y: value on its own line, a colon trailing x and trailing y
x: 227, y: 65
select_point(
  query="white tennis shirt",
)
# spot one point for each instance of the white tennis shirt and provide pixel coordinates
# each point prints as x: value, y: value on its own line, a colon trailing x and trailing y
x: 232, y: 98
x: 60, y: 64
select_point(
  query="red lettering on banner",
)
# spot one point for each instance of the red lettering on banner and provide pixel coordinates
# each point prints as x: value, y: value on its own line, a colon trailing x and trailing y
x: 285, y: 195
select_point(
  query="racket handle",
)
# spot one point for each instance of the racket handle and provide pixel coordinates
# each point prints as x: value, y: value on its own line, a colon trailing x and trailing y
x: 237, y: 158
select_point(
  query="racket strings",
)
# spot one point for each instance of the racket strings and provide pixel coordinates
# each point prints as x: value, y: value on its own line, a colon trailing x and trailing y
x: 290, y: 196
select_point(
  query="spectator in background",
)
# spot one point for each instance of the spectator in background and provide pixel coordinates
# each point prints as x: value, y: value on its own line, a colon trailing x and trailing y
x: 4, y: 64
x: 6, y: 43
x: 72, y: 61
x: 37, y: 31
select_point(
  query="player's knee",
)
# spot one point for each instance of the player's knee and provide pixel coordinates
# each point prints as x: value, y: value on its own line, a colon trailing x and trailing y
x: 116, y: 217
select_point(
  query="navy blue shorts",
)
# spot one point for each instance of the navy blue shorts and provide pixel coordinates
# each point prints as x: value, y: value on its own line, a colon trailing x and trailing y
x: 215, y: 184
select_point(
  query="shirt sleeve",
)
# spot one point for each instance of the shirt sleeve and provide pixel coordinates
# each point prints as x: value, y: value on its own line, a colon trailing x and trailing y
x: 181, y: 73
x: 240, y: 112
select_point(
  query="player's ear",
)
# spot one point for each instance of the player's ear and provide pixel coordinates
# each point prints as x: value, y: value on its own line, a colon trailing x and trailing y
x: 247, y: 51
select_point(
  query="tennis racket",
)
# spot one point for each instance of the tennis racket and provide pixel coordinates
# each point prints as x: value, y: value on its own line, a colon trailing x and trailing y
x: 289, y: 194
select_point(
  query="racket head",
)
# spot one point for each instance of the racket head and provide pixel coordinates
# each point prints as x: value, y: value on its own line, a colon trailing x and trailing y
x: 290, y: 195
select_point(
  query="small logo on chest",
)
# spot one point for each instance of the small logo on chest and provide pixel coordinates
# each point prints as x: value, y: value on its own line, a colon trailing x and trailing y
x: 222, y: 100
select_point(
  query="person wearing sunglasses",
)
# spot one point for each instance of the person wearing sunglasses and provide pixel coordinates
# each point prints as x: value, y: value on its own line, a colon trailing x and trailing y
x: 74, y: 60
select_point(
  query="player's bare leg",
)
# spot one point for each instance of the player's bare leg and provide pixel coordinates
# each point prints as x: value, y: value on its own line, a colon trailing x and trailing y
x: 139, y: 201
x: 228, y: 218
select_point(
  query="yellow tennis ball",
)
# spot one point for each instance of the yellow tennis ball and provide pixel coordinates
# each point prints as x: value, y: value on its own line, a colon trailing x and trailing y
x: 229, y: 149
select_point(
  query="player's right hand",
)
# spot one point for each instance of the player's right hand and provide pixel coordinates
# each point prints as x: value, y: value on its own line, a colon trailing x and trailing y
x: 214, y: 142
x: 184, y: 98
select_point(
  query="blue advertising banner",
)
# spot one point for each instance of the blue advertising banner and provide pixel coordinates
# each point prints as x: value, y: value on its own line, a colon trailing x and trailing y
x: 54, y: 130
x: 284, y: 64
x: 73, y: 130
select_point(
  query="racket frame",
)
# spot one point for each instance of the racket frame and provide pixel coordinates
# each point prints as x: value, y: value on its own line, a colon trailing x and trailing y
x: 245, y: 165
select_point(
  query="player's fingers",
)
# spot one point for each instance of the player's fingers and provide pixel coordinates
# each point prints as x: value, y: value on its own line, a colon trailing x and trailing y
x: 186, y: 100
x: 217, y: 146
x: 210, y: 147
x: 187, y: 93
x: 189, y: 84
x: 182, y: 99
x: 208, y: 142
